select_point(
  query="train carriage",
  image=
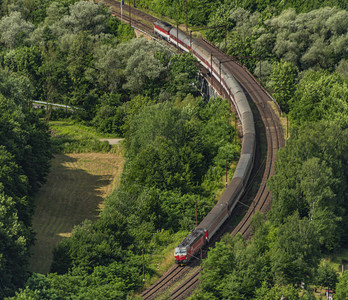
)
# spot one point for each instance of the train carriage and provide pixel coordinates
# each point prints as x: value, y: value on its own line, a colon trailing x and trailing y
x: 180, y: 39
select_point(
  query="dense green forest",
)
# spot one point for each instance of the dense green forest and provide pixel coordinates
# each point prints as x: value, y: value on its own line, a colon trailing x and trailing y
x: 176, y: 144
x: 73, y: 52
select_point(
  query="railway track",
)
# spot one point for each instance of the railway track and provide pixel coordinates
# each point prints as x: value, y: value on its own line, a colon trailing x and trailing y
x: 186, y: 288
x: 274, y: 139
x: 174, y: 274
x: 132, y: 16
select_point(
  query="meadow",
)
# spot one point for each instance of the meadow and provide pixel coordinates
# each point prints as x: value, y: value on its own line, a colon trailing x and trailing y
x: 75, y: 190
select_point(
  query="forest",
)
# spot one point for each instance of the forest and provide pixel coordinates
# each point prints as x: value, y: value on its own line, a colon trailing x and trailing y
x: 75, y: 53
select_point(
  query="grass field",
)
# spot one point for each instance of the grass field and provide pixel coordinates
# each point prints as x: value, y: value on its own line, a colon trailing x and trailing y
x: 74, y: 191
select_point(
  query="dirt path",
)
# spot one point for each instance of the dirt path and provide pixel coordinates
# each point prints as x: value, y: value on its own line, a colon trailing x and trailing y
x: 112, y: 141
x: 74, y: 191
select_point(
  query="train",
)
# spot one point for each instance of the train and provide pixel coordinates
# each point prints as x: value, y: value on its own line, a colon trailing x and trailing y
x: 192, y: 244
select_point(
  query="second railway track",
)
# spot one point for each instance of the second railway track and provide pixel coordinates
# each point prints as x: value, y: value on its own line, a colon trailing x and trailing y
x: 274, y: 135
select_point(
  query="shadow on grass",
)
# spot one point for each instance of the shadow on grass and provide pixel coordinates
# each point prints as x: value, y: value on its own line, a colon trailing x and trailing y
x: 70, y: 195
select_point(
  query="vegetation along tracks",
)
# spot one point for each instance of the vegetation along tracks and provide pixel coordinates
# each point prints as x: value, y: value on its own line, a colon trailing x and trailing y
x: 274, y: 139
x: 136, y: 18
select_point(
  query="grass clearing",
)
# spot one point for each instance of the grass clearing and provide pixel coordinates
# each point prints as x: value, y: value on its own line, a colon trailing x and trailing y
x: 68, y: 127
x: 70, y: 137
x: 74, y: 191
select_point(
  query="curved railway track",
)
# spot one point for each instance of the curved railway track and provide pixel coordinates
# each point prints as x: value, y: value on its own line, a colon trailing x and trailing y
x: 274, y: 139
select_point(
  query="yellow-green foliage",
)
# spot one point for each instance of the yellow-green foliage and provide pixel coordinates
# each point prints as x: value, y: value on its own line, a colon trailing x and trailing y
x: 69, y: 137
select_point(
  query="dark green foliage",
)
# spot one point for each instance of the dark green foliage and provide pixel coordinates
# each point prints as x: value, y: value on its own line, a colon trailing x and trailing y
x: 13, y: 248
x: 283, y: 83
x: 342, y: 286
x: 107, y: 282
x: 234, y: 270
x: 276, y: 292
x: 86, y: 249
x: 25, y: 61
x: 172, y: 148
x: 220, y: 263
x: 183, y: 70
x: 110, y: 119
x: 296, y: 252
x: 24, y: 162
x: 311, y: 178
x: 320, y: 96
x: 275, y: 261
x: 327, y: 277
x: 24, y: 139
x: 163, y: 141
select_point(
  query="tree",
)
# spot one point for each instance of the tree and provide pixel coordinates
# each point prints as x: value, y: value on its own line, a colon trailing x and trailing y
x: 320, y: 95
x: 342, y: 68
x: 311, y: 169
x: 143, y: 65
x: 16, y: 88
x: 307, y: 39
x: 276, y: 292
x: 317, y: 184
x: 296, y: 252
x: 107, y: 69
x: 13, y: 247
x: 54, y: 73
x: 283, y: 83
x: 14, y: 30
x: 327, y: 277
x: 12, y: 179
x: 219, y: 263
x: 80, y: 57
x: 25, y: 61
x: 85, y: 16
x: 342, y: 286
x: 183, y: 70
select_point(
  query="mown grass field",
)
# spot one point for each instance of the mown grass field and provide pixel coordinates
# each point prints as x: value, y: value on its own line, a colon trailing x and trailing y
x: 74, y: 191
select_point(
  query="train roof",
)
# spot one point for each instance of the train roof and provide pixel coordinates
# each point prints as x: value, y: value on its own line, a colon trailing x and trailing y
x: 192, y: 237
x: 163, y: 25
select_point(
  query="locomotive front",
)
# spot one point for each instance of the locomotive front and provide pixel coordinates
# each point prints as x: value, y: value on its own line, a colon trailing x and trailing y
x: 180, y: 254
